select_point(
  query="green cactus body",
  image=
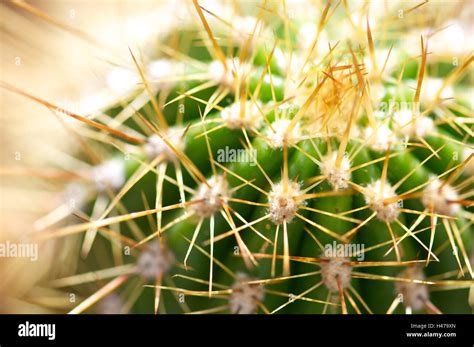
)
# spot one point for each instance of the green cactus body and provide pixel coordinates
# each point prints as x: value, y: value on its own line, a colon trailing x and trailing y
x: 256, y: 167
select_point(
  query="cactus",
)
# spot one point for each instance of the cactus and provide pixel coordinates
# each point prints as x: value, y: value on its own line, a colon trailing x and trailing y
x: 269, y: 164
